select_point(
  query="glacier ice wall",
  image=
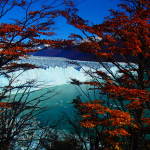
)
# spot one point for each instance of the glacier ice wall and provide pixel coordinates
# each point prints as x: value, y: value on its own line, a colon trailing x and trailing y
x: 55, y: 71
x: 52, y: 76
x: 52, y: 71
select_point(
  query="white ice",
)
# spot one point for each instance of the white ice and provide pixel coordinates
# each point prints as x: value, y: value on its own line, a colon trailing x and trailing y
x: 54, y: 71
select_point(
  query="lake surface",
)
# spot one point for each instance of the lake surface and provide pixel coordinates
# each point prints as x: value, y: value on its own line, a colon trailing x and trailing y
x: 58, y: 104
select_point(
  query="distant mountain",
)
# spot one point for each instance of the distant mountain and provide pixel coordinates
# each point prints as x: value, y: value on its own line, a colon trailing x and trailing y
x: 73, y: 53
x: 69, y: 53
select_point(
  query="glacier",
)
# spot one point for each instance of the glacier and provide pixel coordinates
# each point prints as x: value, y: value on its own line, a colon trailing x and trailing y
x: 54, y: 71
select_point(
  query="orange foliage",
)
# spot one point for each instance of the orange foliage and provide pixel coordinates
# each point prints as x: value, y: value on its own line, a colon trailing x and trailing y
x: 118, y: 132
x: 22, y: 35
x: 5, y: 105
x: 88, y: 124
x: 123, y: 37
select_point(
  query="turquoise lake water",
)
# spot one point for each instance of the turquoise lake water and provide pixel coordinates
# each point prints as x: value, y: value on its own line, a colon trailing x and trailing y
x: 58, y: 103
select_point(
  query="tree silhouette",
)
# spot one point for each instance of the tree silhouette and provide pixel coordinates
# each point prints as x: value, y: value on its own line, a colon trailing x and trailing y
x: 123, y: 39
x: 19, y: 36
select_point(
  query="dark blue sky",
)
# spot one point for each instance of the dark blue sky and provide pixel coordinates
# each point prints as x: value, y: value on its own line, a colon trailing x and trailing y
x: 92, y: 10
